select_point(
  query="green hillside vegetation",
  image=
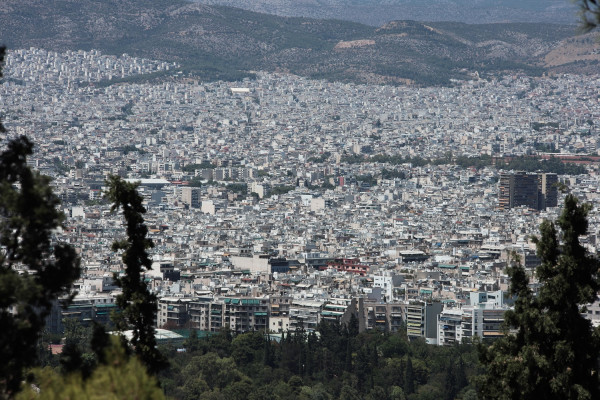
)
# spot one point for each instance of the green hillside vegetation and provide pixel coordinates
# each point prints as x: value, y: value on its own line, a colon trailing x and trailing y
x: 336, y: 363
x: 216, y: 42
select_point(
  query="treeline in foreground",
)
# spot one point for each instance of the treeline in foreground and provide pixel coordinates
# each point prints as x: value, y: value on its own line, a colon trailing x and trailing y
x: 335, y: 363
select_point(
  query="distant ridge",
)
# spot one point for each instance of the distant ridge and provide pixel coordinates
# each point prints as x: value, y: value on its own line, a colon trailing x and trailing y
x: 216, y: 42
x: 379, y: 12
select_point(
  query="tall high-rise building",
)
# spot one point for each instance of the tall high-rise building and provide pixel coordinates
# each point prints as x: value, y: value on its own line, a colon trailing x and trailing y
x: 504, y: 191
x: 190, y: 196
x: 548, y: 190
x: 536, y: 191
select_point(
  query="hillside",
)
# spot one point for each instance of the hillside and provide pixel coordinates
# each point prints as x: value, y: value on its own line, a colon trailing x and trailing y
x: 379, y: 12
x: 216, y: 42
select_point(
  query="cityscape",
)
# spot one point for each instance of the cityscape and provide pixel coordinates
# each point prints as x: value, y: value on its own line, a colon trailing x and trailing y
x: 292, y: 223
x: 277, y: 236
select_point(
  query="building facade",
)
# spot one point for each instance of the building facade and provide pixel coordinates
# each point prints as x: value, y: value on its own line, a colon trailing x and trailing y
x: 535, y: 191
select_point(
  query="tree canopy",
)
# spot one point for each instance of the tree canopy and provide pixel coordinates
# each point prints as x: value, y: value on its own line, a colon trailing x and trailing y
x: 553, y: 351
x: 590, y: 13
x: 137, y: 306
x: 34, y: 268
x: 120, y: 377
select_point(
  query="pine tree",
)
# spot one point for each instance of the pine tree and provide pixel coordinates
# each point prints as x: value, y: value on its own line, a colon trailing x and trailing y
x: 268, y: 358
x: 455, y: 377
x: 554, y: 351
x: 409, y: 378
x: 28, y: 216
x: 46, y: 270
x: 136, y: 304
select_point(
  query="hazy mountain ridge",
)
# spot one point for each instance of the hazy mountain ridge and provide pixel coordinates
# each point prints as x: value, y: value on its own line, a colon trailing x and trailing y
x: 379, y: 12
x: 222, y: 42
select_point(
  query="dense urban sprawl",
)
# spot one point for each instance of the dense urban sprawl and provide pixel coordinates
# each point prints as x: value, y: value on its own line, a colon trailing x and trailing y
x: 277, y: 203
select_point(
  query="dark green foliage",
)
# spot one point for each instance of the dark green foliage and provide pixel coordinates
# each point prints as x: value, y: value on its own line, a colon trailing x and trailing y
x: 278, y: 190
x: 477, y: 162
x: 552, y: 165
x: 77, y: 355
x: 196, y: 181
x: 327, y: 185
x: 392, y: 174
x: 319, y: 159
x: 537, y: 126
x: 338, y: 363
x: 529, y: 164
x: 246, y: 348
x: 127, y: 109
x: 121, y: 377
x: 545, y: 147
x: 456, y: 378
x: 554, y: 352
x: 99, y: 341
x: 590, y: 14
x: 70, y: 358
x: 129, y: 148
x: 409, y: 378
x: 44, y: 353
x: 367, y: 178
x: 60, y: 167
x: 352, y: 159
x: 194, y: 167
x: 240, y: 188
x: 136, y: 304
x: 28, y: 214
x: 353, y: 326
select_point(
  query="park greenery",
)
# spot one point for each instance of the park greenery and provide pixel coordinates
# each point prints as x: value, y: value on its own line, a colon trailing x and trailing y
x: 553, y: 164
x: 336, y: 362
x: 191, y: 168
x: 518, y: 163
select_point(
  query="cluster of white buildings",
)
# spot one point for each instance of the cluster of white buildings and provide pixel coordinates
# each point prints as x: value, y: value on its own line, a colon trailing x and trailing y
x: 291, y: 220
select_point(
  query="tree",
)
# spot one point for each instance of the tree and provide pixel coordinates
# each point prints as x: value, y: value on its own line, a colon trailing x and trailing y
x: 136, y: 304
x: 590, y: 13
x: 409, y: 378
x: 121, y: 377
x: 455, y: 378
x: 77, y: 354
x: 554, y: 351
x: 34, y: 268
x: 2, y: 52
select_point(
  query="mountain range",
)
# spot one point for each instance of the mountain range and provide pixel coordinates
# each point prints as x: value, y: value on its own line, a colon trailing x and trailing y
x: 379, y: 12
x: 219, y: 42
